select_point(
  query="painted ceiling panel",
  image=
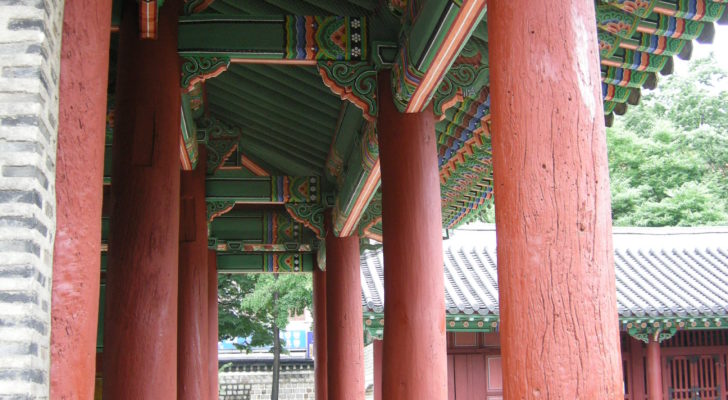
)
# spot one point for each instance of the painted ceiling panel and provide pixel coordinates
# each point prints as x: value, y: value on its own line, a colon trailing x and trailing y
x: 286, y: 114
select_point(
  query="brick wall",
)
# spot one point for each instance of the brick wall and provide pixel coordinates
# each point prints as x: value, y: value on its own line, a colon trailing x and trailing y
x: 30, y: 32
x: 295, y: 384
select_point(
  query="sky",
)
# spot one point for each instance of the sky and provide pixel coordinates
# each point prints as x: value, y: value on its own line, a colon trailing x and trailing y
x: 719, y: 47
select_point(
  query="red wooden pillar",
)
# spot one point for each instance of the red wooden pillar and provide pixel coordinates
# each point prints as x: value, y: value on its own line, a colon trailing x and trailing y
x: 193, y: 326
x: 319, y: 330
x: 378, y: 354
x: 344, y: 318
x: 140, y: 322
x: 79, y: 192
x: 212, y: 314
x: 559, y: 329
x: 654, y: 370
x: 415, y: 348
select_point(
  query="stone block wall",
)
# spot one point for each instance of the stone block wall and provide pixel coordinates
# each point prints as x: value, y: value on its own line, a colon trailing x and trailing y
x: 30, y: 43
x: 295, y: 384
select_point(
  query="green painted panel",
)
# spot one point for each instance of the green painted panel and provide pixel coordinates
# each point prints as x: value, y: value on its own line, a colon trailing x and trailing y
x: 246, y: 227
x: 215, y: 34
x: 248, y: 189
x: 231, y: 263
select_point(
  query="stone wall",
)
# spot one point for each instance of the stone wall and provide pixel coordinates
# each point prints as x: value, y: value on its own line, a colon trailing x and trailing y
x: 30, y: 41
x: 295, y: 384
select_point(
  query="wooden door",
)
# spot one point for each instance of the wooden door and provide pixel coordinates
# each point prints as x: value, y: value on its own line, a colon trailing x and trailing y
x: 475, y: 376
x: 693, y: 377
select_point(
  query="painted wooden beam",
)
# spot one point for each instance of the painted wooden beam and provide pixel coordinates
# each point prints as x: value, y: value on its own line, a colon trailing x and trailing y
x: 209, y: 43
x: 265, y: 262
x: 231, y: 186
x: 361, y: 182
x: 439, y: 30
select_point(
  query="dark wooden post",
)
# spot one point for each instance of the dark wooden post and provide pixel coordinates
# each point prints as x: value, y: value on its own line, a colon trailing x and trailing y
x: 415, y: 349
x: 79, y: 192
x: 378, y: 355
x: 140, y: 322
x: 319, y: 330
x: 559, y: 328
x: 212, y: 315
x: 344, y: 318
x: 654, y: 370
x: 637, y: 359
x: 193, y: 326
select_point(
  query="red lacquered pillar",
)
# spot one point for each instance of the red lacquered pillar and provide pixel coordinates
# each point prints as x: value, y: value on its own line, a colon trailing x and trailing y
x: 344, y: 318
x: 415, y: 350
x: 559, y: 328
x: 319, y: 331
x: 378, y: 354
x: 192, y: 334
x: 654, y: 370
x: 79, y: 192
x: 140, y: 329
x: 212, y: 315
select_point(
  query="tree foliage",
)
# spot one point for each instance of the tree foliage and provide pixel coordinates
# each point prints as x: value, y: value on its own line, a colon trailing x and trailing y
x: 247, y: 308
x: 668, y: 157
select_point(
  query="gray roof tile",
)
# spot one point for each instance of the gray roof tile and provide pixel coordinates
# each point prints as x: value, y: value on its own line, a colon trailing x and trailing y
x: 661, y: 272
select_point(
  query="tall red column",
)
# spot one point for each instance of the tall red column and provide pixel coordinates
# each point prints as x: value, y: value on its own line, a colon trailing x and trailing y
x: 654, y: 370
x: 212, y: 315
x: 193, y: 326
x: 559, y: 329
x: 378, y: 354
x: 140, y: 322
x: 344, y: 318
x: 319, y: 331
x: 79, y: 191
x: 415, y: 348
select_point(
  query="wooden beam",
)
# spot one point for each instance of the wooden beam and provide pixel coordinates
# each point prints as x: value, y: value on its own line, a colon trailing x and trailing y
x: 359, y: 185
x: 209, y: 43
x: 230, y: 186
x: 437, y: 34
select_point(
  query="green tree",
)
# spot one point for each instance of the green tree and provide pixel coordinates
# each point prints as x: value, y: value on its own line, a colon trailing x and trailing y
x: 257, y: 306
x: 668, y: 157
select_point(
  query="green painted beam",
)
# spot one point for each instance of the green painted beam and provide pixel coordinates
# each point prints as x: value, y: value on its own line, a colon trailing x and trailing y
x: 269, y: 230
x: 358, y: 186
x: 429, y: 47
x: 265, y: 262
x: 273, y: 38
x: 234, y: 185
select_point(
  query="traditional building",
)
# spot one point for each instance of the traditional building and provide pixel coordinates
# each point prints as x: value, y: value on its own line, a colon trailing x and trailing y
x: 672, y: 299
x: 146, y: 145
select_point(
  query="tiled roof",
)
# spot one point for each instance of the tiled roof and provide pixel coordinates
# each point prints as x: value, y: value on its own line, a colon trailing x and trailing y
x: 661, y: 272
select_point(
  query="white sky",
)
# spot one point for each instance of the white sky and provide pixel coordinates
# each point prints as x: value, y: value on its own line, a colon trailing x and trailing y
x: 719, y: 47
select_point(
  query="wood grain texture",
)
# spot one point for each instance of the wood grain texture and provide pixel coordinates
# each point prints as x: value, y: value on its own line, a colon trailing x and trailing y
x: 559, y: 327
x: 344, y: 328
x: 319, y: 331
x: 79, y: 193
x: 140, y: 330
x: 193, y: 326
x: 212, y: 315
x: 415, y: 359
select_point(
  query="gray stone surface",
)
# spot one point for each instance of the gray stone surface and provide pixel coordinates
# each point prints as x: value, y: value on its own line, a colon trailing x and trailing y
x: 294, y: 385
x: 30, y: 41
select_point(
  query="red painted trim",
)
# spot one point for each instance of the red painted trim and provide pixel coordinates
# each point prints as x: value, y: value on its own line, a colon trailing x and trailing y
x: 184, y: 158
x: 346, y: 94
x: 464, y: 23
x: 253, y: 167
x: 272, y: 61
x: 370, y: 186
